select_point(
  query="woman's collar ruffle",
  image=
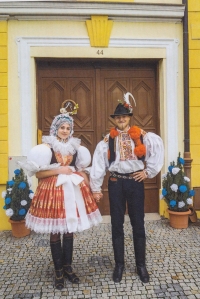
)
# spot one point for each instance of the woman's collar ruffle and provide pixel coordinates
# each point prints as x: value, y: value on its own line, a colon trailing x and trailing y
x: 70, y: 147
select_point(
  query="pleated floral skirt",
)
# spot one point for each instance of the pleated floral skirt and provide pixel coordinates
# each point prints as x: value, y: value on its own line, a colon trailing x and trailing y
x: 48, y: 212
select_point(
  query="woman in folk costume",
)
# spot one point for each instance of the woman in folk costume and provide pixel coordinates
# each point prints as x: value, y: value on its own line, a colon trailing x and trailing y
x: 63, y: 202
x: 131, y: 155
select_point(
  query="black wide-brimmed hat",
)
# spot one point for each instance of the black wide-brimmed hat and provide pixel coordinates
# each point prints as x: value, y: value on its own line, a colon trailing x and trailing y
x: 121, y: 110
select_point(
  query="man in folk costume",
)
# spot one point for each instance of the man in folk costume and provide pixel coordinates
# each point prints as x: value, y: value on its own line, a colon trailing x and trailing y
x: 131, y: 155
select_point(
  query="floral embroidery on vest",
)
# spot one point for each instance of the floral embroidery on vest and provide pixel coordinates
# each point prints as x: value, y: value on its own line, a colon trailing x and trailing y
x: 125, y: 147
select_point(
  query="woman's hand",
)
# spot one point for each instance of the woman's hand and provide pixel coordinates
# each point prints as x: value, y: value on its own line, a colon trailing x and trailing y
x: 97, y: 196
x: 47, y: 173
x: 64, y: 170
x: 85, y: 176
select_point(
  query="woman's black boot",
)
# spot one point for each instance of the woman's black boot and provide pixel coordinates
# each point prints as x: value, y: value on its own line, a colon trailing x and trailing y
x: 67, y: 259
x: 56, y: 251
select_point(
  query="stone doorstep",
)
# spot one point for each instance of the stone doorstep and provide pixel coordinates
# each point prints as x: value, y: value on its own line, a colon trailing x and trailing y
x: 148, y: 217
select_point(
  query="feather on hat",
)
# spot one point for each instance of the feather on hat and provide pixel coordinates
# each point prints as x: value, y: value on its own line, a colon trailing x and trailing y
x: 124, y: 108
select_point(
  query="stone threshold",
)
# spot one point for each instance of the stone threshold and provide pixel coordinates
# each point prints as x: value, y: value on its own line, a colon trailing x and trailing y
x: 148, y: 217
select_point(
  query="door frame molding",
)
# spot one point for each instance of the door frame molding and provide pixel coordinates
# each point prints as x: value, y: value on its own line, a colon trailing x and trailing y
x: 170, y: 85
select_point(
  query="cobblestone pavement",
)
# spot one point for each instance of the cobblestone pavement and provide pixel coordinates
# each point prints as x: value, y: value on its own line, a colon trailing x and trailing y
x: 173, y: 261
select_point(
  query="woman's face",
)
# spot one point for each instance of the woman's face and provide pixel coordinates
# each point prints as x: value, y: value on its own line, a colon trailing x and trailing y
x: 64, y: 131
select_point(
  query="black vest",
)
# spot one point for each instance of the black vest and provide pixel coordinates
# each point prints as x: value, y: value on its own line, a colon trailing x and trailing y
x: 53, y: 159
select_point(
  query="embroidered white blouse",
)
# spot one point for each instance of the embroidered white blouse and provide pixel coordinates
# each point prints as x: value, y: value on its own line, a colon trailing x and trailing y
x: 72, y: 146
x: 154, y: 160
x: 39, y: 157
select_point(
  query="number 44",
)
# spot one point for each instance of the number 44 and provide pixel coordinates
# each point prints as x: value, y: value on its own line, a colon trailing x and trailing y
x: 100, y: 52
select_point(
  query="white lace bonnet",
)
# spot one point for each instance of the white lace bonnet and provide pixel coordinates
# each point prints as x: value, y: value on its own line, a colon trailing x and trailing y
x: 68, y: 107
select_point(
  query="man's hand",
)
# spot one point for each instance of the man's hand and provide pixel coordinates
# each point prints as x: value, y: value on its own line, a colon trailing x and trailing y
x: 97, y: 196
x: 140, y: 176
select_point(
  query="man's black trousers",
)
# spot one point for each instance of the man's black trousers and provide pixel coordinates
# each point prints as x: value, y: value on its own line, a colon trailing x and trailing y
x: 122, y: 191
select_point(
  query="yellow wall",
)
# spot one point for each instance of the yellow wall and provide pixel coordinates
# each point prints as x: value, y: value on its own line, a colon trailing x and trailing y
x: 3, y: 119
x: 194, y: 87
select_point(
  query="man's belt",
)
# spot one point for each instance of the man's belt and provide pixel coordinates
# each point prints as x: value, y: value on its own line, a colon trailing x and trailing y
x: 122, y: 176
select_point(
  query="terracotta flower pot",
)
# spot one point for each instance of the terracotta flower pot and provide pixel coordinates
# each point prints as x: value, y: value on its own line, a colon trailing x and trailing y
x: 179, y: 219
x: 19, y: 229
x: 193, y: 215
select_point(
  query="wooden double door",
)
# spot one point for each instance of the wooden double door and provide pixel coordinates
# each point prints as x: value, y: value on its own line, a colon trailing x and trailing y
x: 97, y: 86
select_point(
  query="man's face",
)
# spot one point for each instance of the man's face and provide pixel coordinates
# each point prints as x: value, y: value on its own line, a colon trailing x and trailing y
x: 122, y: 122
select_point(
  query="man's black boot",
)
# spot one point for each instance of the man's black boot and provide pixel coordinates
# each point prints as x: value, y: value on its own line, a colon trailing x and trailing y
x: 118, y: 271
x: 140, y: 249
x: 118, y: 247
x: 143, y: 273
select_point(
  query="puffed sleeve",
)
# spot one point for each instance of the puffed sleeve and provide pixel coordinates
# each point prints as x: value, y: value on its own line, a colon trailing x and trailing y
x: 154, y: 153
x: 99, y: 166
x: 83, y: 158
x: 39, y: 158
x: 40, y: 154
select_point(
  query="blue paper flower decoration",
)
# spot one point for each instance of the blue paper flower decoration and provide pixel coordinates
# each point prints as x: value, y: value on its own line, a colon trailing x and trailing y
x: 22, y: 212
x: 170, y: 168
x: 182, y: 188
x: 164, y: 192
x: 10, y: 183
x: 181, y: 160
x: 4, y: 207
x: 8, y: 200
x: 172, y: 203
x: 191, y: 193
x: 22, y: 185
x: 17, y: 171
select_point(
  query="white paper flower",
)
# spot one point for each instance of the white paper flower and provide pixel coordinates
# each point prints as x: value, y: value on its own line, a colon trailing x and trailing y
x: 23, y: 202
x: 31, y: 195
x: 175, y: 170
x: 63, y: 110
x: 164, y: 176
x: 189, y: 201
x: 181, y: 204
x: 161, y: 196
x: 186, y: 179
x: 3, y: 194
x: 174, y: 187
x: 29, y: 183
x: 9, y: 212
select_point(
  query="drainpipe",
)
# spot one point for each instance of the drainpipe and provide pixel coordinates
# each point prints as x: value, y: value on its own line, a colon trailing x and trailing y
x: 187, y: 154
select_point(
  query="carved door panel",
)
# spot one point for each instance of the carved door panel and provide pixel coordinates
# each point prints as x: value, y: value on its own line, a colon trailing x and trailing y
x: 57, y: 86
x: 96, y: 86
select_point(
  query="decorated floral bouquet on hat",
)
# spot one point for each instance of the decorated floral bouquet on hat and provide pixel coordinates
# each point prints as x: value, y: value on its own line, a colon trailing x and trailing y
x: 176, y: 190
x: 17, y: 196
